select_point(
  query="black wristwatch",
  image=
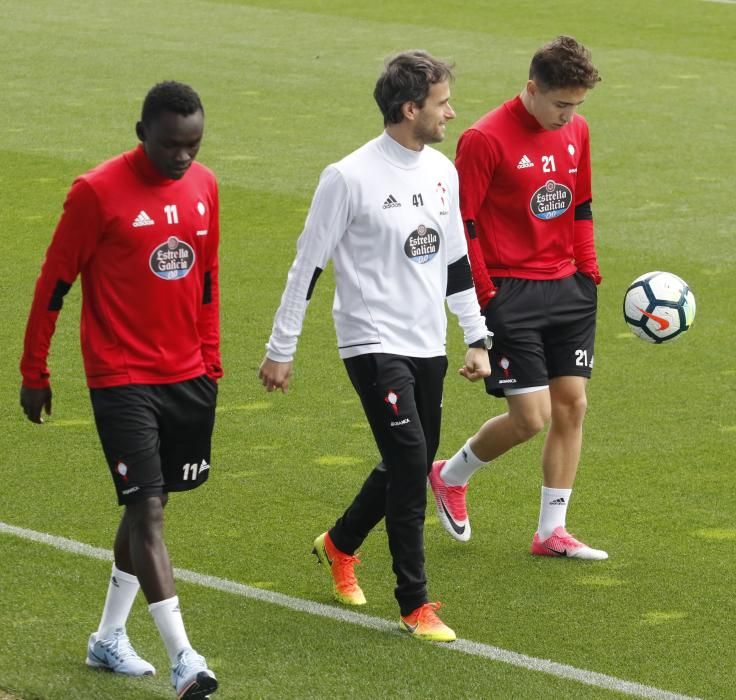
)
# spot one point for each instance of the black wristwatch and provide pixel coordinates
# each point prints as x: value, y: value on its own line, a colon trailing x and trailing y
x: 485, y: 342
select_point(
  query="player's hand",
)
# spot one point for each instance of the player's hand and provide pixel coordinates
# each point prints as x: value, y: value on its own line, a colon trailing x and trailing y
x: 477, y: 365
x: 275, y: 375
x: 33, y: 401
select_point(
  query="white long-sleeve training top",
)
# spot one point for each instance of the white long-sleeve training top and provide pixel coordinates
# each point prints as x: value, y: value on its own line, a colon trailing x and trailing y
x: 389, y: 218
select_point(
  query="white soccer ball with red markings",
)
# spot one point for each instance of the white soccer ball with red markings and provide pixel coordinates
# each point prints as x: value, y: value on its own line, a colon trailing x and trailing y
x: 659, y: 306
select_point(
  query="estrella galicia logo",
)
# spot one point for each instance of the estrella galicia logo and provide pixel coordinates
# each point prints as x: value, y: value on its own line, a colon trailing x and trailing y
x: 422, y: 244
x: 550, y: 201
x: 172, y: 260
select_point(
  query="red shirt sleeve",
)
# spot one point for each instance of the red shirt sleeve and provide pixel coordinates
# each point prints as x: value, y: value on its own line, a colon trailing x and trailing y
x: 208, y: 322
x: 73, y: 243
x: 475, y: 163
x: 586, y: 259
x: 584, y: 252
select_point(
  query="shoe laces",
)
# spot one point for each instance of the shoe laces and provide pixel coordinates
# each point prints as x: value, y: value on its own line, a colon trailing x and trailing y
x: 188, y: 660
x: 427, y: 615
x: 565, y: 538
x: 119, y: 645
x: 563, y: 534
x: 343, y: 569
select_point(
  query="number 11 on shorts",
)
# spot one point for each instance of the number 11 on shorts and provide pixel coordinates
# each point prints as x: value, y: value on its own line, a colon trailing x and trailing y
x: 193, y: 470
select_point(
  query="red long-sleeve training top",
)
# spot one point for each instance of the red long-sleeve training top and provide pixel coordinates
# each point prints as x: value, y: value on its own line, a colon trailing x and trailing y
x: 521, y: 186
x: 147, y: 249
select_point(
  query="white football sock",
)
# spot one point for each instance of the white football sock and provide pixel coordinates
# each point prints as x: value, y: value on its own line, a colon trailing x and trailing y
x: 168, y: 619
x: 553, y: 510
x: 121, y: 592
x: 461, y: 466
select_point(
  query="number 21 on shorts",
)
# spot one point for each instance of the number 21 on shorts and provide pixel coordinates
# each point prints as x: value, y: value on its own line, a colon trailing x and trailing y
x: 581, y: 358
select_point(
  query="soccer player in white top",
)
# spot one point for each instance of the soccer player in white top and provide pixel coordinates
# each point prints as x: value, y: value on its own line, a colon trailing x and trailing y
x: 388, y: 216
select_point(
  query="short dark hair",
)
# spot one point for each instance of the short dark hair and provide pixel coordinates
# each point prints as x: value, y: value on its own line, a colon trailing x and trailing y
x: 563, y: 63
x: 170, y: 96
x: 408, y: 77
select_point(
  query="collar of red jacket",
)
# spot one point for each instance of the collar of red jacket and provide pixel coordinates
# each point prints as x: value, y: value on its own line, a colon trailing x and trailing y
x: 516, y: 107
x: 146, y: 169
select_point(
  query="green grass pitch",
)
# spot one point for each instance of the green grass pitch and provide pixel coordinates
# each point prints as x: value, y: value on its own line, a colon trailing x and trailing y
x: 287, y: 88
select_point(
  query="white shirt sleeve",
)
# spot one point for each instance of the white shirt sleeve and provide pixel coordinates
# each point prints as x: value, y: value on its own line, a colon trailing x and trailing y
x: 464, y: 304
x: 326, y: 223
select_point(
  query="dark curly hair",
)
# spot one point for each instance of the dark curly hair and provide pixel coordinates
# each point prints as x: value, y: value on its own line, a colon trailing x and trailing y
x: 563, y: 63
x: 170, y: 96
x: 408, y: 77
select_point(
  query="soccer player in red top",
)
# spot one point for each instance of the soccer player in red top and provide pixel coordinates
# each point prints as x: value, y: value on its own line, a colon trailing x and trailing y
x: 525, y: 199
x: 142, y: 229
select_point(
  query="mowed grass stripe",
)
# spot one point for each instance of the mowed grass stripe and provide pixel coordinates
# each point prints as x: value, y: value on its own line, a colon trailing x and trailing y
x: 464, y: 646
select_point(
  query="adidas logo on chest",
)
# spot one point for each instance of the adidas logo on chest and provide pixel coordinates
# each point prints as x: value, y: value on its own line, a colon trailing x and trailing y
x: 524, y: 162
x: 142, y: 220
x: 391, y: 202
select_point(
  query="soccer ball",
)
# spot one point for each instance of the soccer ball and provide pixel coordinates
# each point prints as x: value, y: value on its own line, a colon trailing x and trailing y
x: 659, y: 306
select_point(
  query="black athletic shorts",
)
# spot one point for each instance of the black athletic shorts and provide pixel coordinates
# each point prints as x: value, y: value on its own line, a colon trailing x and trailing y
x: 156, y: 437
x: 542, y: 329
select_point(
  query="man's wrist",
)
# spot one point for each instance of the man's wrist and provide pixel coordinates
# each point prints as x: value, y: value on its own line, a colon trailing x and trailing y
x: 485, y: 342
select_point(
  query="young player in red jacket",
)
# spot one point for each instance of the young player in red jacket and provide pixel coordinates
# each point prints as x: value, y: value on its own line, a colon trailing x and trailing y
x: 525, y: 199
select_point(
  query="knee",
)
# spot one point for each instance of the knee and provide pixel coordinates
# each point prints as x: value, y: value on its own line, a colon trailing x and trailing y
x: 145, y: 516
x: 571, y: 411
x: 527, y: 424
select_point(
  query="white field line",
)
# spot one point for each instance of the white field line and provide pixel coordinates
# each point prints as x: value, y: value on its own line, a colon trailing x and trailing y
x: 722, y: 2
x: 464, y: 646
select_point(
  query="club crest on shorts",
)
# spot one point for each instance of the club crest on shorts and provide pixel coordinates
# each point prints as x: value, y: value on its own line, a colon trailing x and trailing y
x: 121, y: 468
x: 505, y: 364
x: 172, y: 260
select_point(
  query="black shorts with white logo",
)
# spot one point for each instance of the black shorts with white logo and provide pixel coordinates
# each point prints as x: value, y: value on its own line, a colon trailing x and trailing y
x: 542, y: 329
x: 156, y: 437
